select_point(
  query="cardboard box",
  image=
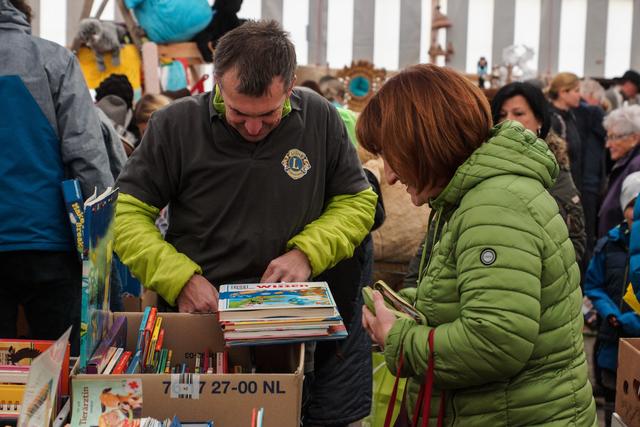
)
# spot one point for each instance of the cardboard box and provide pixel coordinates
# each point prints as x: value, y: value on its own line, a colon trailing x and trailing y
x: 226, y: 399
x: 628, y: 381
x: 135, y: 304
x: 131, y: 304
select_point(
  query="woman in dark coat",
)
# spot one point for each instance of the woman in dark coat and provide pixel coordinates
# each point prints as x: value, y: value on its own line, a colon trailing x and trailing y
x: 525, y: 103
x: 623, y: 136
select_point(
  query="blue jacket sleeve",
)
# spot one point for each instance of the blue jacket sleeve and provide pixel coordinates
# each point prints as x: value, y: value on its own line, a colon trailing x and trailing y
x: 594, y: 287
x: 630, y: 322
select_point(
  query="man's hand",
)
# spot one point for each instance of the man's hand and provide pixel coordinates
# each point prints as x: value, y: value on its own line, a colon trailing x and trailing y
x: 198, y: 296
x: 291, y: 267
x: 378, y: 325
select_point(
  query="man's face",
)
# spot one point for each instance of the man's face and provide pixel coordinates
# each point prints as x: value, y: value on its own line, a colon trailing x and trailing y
x: 253, y: 117
x: 629, y: 90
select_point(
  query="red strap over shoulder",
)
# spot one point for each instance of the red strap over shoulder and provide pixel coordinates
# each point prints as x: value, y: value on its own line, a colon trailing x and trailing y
x: 394, y: 393
x: 428, y: 385
x: 423, y: 403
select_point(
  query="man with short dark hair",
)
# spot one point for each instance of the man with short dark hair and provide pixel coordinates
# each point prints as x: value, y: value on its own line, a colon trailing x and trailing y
x: 49, y: 131
x: 260, y: 177
x: 626, y: 92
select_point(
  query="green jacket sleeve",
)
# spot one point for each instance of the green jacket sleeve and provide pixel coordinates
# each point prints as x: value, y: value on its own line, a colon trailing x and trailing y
x: 499, y: 311
x: 140, y: 246
x: 343, y: 225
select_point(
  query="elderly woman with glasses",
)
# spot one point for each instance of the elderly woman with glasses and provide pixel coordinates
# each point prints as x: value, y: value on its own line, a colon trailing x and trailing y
x: 623, y: 135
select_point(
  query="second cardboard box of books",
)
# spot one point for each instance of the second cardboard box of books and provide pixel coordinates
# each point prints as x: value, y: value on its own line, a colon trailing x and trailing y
x: 249, y: 378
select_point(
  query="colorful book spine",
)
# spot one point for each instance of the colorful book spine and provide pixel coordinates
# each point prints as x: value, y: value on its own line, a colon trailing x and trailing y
x: 11, y: 396
x: 72, y: 194
x: 198, y: 364
x: 148, y: 332
x: 114, y: 360
x: 143, y: 323
x: 222, y: 362
x: 205, y: 362
x: 149, y: 361
x: 123, y: 363
x: 163, y: 361
x: 167, y: 368
x: 160, y: 340
x: 135, y: 365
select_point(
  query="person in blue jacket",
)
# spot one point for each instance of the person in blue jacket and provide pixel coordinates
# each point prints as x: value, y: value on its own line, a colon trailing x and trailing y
x: 605, y: 282
x: 49, y: 132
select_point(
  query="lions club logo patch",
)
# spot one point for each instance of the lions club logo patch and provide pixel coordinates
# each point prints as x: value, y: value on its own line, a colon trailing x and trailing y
x: 296, y: 164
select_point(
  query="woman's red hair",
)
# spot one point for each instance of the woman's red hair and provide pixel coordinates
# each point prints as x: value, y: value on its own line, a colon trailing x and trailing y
x: 425, y: 122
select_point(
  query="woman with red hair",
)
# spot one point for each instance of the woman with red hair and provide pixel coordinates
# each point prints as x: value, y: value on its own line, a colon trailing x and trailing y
x: 498, y: 282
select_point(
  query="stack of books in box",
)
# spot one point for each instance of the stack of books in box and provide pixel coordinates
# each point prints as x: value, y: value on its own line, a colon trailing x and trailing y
x: 274, y: 313
x: 16, y: 357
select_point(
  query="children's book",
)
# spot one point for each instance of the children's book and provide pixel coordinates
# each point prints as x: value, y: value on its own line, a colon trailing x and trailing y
x: 15, y: 353
x: 92, y: 230
x: 116, y: 337
x: 332, y: 334
x: 11, y: 396
x: 123, y: 363
x: 267, y: 300
x: 114, y: 360
x: 99, y: 212
x: 135, y: 366
x: 398, y: 305
x: 106, y: 402
x: 14, y: 374
x: 41, y: 389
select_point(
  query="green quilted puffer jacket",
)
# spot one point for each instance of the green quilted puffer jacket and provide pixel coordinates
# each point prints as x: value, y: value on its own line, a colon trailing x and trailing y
x: 500, y: 285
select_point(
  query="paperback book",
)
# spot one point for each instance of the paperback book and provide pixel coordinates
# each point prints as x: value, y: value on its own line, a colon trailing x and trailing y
x: 271, y: 300
x: 94, y: 241
x: 116, y: 338
x: 16, y: 354
x: 41, y: 390
x: 271, y: 313
x: 107, y: 402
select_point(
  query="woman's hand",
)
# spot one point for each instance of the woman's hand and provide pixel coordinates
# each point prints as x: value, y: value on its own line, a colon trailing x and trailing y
x: 378, y: 325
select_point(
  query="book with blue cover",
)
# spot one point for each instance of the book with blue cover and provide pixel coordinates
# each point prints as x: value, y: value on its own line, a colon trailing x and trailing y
x: 95, y: 244
x: 74, y: 203
x: 99, y: 213
x: 270, y: 300
x: 278, y: 313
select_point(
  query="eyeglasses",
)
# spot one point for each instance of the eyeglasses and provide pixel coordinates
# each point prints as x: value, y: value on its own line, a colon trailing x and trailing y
x: 618, y: 137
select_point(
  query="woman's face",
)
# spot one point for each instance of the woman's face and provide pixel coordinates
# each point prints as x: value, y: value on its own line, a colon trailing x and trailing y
x: 418, y: 198
x: 628, y: 213
x: 620, y: 145
x: 571, y: 97
x: 517, y: 108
